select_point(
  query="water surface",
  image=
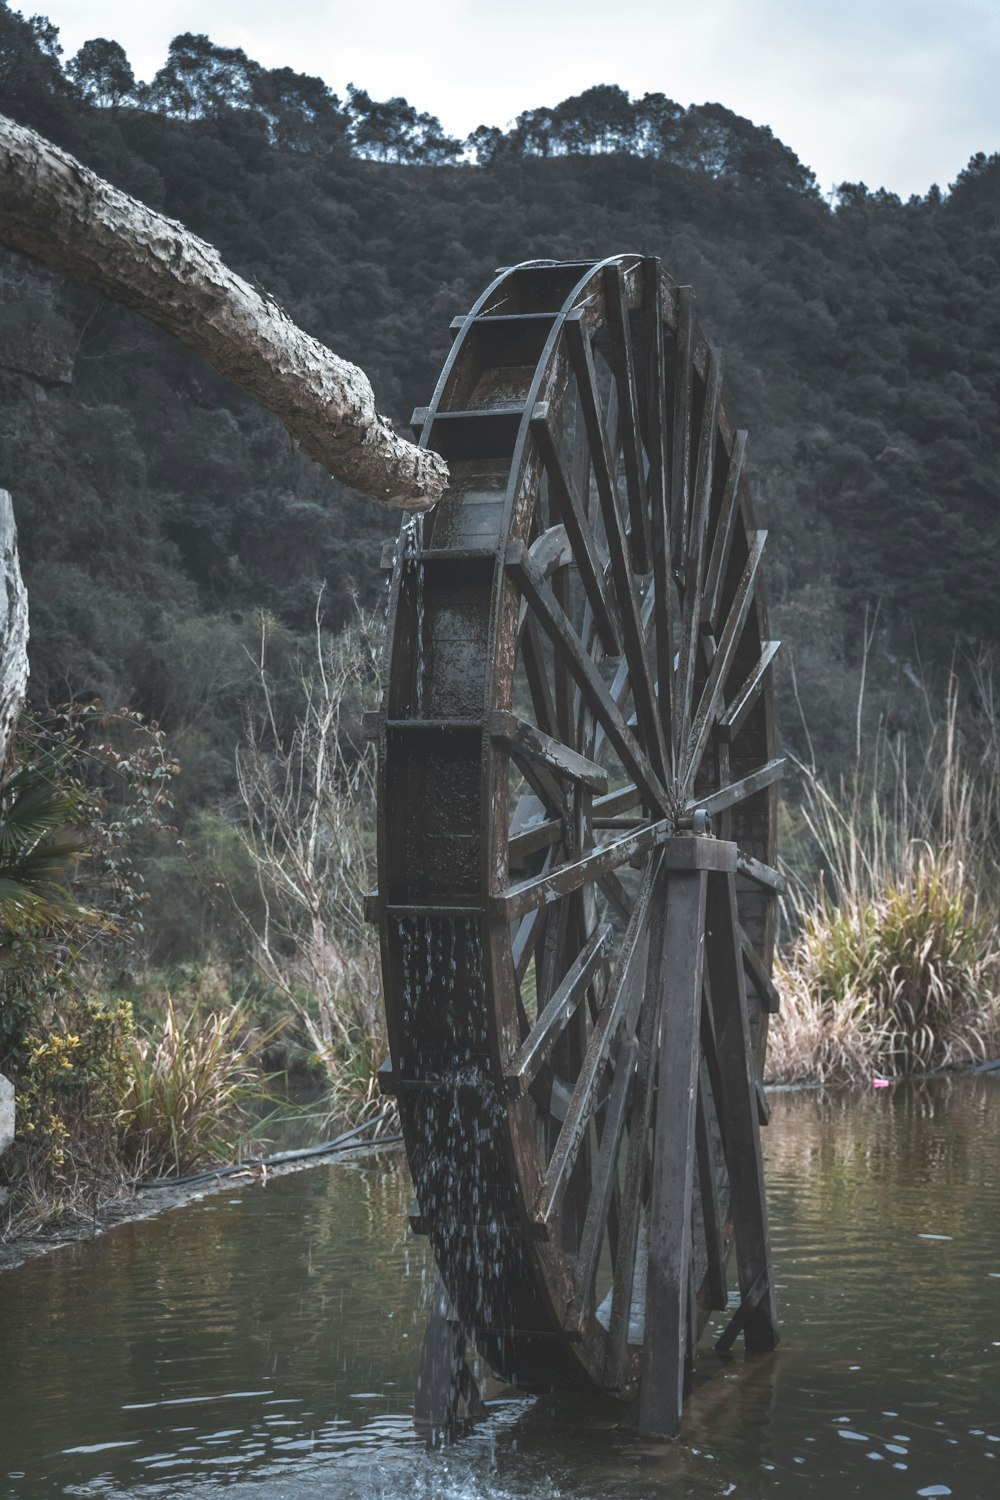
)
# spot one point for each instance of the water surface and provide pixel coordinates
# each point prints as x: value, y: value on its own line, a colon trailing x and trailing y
x: 264, y: 1343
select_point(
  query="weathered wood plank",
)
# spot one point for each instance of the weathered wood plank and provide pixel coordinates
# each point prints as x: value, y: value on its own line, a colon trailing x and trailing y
x: 758, y: 975
x: 761, y: 874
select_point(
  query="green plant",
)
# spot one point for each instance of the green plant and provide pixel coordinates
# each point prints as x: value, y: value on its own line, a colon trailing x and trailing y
x: 190, y: 1087
x: 71, y: 1080
x: 894, y: 964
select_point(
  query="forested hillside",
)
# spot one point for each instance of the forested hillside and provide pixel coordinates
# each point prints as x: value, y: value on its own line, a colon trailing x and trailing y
x: 160, y: 511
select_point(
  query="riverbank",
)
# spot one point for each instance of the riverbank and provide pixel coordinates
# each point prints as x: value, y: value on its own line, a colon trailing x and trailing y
x: 150, y: 1199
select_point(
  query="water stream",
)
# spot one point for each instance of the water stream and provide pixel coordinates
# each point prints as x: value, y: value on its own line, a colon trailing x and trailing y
x: 263, y: 1343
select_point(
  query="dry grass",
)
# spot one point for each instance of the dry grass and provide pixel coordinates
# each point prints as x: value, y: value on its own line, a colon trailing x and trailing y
x: 893, y: 965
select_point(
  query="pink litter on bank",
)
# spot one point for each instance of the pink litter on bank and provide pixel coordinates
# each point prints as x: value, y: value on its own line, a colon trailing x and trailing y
x: 880, y: 1083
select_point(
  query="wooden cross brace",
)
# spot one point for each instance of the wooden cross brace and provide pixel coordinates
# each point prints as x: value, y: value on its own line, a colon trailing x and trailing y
x: 703, y: 1014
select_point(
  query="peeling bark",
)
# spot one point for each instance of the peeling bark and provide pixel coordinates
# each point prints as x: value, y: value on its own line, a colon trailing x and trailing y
x: 62, y: 214
x: 13, y: 627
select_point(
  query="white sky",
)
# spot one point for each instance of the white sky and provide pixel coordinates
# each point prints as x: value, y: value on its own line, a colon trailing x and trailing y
x: 895, y: 93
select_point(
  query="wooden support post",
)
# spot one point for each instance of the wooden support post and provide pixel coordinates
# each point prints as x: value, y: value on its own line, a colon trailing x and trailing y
x: 665, y: 1343
x: 736, y: 1102
x: 445, y: 1383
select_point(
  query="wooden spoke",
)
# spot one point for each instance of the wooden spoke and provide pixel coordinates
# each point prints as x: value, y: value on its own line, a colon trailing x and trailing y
x: 584, y: 547
x: 711, y: 700
x: 660, y: 520
x: 613, y: 1016
x: 552, y: 885
x: 738, y: 791
x: 680, y: 447
x: 691, y: 622
x: 623, y: 366
x: 530, y: 742
x: 732, y: 720
x: 725, y: 530
x: 539, y: 687
x: 554, y: 621
x: 622, y: 577
x: 604, y: 1180
x: 537, y: 1047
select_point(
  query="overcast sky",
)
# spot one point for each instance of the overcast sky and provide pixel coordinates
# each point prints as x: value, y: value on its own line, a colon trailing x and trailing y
x: 895, y: 93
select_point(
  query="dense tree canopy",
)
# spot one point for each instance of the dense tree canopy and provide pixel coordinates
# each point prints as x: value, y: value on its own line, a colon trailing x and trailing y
x: 159, y: 510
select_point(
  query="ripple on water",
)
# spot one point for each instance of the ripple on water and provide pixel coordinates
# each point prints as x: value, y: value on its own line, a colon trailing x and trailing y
x: 276, y: 1339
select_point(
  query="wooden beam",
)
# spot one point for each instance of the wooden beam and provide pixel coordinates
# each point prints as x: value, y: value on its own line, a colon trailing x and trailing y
x: 665, y: 1341
x: 737, y: 1107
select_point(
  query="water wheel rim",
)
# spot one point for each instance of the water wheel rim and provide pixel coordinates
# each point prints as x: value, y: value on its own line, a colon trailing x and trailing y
x: 451, y: 730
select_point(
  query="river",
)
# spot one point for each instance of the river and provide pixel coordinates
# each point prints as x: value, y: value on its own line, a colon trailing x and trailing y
x: 263, y: 1343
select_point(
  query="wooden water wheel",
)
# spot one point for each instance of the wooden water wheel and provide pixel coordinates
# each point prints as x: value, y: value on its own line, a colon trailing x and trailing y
x: 576, y: 839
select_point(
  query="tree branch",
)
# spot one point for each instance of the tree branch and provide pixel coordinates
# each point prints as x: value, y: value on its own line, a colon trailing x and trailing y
x: 62, y: 214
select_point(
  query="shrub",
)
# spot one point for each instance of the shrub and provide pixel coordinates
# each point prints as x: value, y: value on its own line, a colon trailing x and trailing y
x: 894, y: 961
x: 188, y: 1093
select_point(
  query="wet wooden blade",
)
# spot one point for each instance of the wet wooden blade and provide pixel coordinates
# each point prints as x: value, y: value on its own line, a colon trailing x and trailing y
x: 536, y: 745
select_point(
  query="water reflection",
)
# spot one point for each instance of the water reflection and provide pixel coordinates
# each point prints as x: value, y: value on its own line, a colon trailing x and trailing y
x: 267, y: 1339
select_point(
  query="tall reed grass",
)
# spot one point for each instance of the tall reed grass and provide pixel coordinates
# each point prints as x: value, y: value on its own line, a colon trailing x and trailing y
x: 892, y: 961
x: 189, y: 1090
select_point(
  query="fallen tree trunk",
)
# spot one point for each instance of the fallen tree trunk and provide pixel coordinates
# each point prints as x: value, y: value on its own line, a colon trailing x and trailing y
x: 62, y: 214
x: 13, y: 627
